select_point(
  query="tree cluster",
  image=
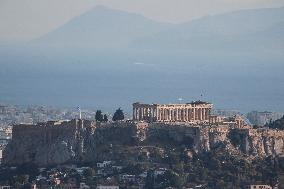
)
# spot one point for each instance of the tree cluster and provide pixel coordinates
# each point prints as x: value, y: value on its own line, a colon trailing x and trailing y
x: 216, y: 169
x: 278, y: 124
x: 236, y: 138
x: 100, y: 117
x: 117, y: 116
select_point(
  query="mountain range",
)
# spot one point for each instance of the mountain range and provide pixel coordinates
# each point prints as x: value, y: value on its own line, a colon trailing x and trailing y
x: 106, y: 58
x: 104, y: 28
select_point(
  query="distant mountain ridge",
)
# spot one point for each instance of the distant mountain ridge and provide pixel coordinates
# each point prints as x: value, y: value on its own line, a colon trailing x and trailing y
x: 104, y: 28
x: 245, y: 29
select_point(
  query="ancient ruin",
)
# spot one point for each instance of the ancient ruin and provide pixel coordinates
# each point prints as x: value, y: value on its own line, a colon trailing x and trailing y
x: 192, y: 125
x: 194, y: 112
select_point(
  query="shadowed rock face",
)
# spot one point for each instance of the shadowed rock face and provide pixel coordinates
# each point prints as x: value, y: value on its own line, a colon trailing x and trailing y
x: 45, y: 143
x: 54, y: 143
x: 61, y: 142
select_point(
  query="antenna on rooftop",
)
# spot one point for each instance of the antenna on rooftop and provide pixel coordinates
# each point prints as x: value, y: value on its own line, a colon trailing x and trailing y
x: 80, y: 114
x: 201, y: 97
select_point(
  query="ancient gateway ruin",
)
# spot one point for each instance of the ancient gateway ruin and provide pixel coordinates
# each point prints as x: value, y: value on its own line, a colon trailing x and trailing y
x: 194, y: 112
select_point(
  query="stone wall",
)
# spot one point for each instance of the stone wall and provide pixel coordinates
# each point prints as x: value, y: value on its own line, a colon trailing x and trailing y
x: 47, y: 143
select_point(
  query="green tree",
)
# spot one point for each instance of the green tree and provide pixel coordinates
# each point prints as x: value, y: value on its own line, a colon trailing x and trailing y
x: 277, y: 124
x: 118, y: 115
x: 105, y: 118
x: 99, y: 116
x: 174, y: 179
x: 235, y: 137
x: 89, y: 172
x: 20, y: 180
x: 150, y: 180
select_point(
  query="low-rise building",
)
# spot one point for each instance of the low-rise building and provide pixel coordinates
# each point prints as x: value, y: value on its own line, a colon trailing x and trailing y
x: 84, y: 186
x: 104, y: 164
x: 34, y: 186
x: 258, y: 187
x: 261, y: 118
x: 127, y: 178
x: 107, y: 187
x: 5, y: 187
x: 160, y: 171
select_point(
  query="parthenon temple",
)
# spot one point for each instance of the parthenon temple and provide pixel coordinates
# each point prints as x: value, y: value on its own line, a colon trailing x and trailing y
x: 197, y: 111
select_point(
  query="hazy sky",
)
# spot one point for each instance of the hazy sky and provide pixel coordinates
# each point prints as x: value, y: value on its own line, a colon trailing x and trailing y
x: 22, y: 20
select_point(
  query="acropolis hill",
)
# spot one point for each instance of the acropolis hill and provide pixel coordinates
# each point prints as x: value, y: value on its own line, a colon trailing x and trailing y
x: 153, y: 127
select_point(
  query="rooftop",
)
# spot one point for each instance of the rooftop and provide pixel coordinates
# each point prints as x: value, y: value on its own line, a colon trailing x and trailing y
x: 192, y: 103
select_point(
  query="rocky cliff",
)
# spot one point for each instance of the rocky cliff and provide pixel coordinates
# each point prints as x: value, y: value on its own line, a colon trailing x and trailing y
x: 79, y: 140
x: 47, y: 143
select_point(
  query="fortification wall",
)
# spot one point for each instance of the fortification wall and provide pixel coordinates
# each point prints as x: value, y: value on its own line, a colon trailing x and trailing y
x: 47, y: 143
x: 116, y: 133
x: 57, y: 143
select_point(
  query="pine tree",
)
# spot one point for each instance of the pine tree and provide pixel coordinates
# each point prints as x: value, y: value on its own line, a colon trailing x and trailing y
x: 118, y: 115
x: 105, y: 118
x: 99, y: 116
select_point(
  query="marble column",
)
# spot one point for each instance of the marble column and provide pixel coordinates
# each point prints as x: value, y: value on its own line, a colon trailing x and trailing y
x: 168, y: 114
x: 158, y: 114
x: 176, y: 114
x: 188, y: 114
x: 197, y: 114
x: 137, y: 114
x: 185, y: 115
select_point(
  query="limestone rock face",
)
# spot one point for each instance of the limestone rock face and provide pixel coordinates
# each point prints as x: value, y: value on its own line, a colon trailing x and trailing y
x: 278, y: 145
x: 264, y: 142
x: 78, y: 140
x: 45, y: 144
x: 58, y: 153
